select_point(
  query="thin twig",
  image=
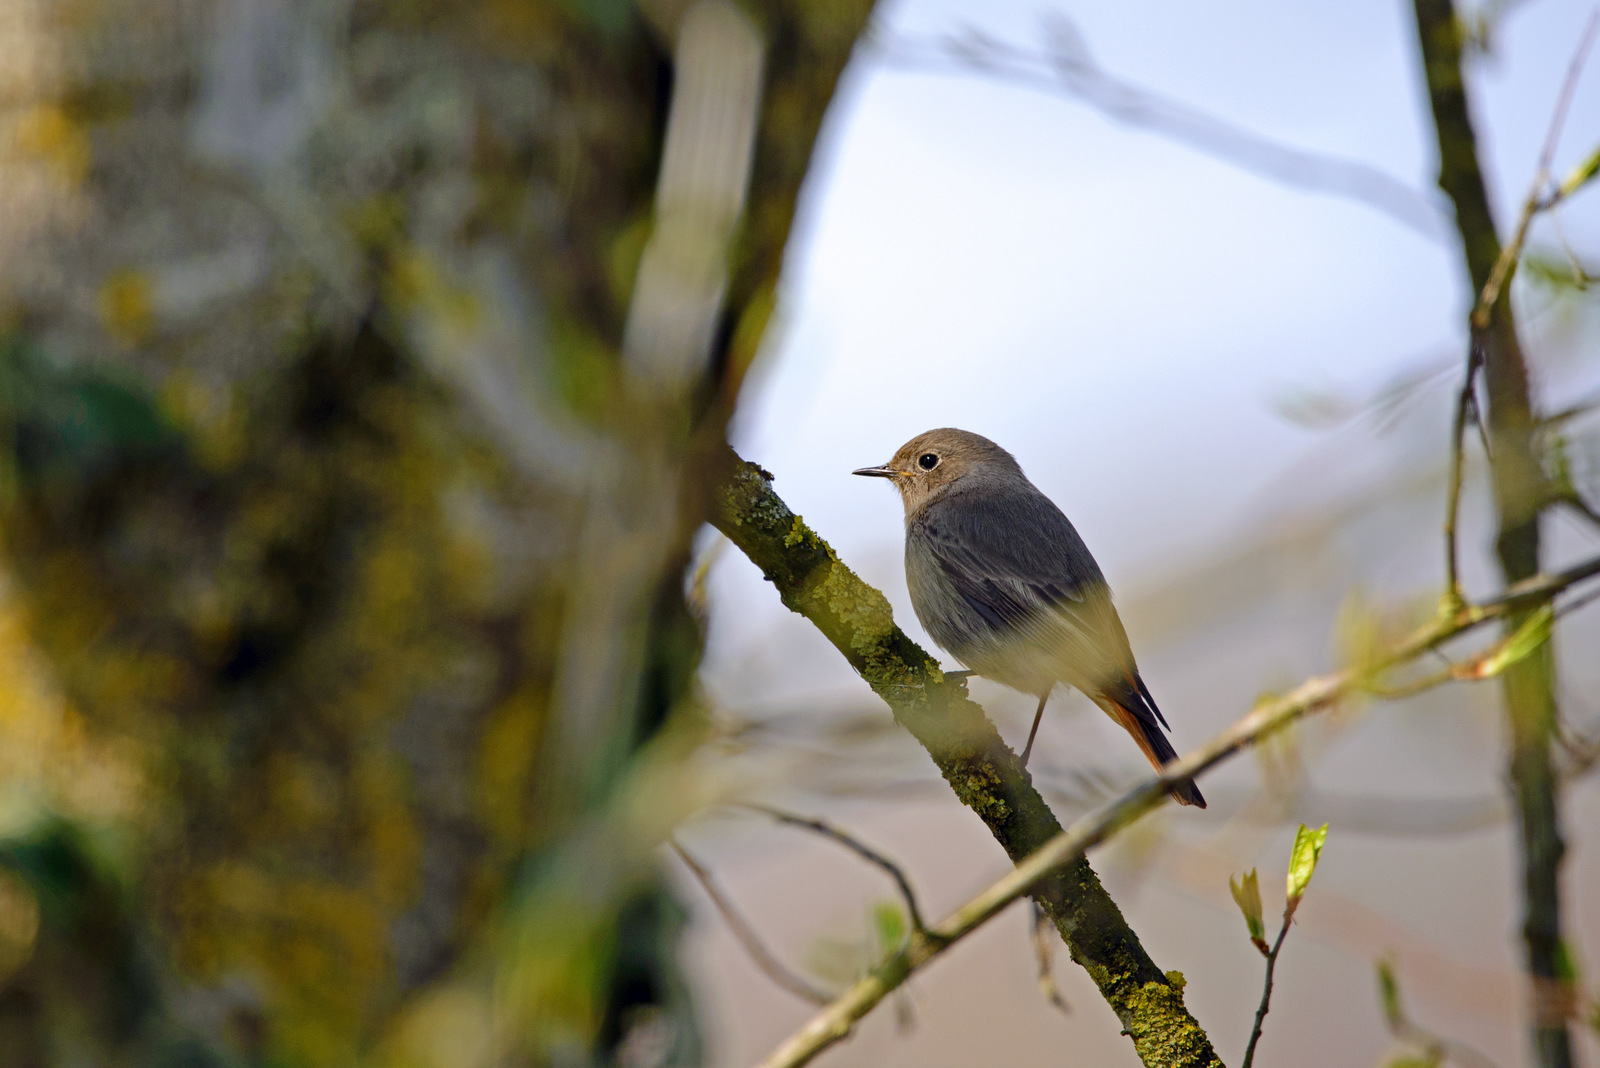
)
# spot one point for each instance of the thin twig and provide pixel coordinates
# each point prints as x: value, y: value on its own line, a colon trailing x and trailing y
x: 1536, y: 200
x: 1475, y: 668
x: 1575, y: 501
x: 1043, y: 949
x: 835, y: 1021
x: 1266, y: 992
x: 1571, y: 412
x: 746, y: 936
x: 1465, y: 402
x: 854, y: 844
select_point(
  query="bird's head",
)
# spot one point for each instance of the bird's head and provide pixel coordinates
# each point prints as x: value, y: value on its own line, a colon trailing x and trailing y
x: 932, y: 463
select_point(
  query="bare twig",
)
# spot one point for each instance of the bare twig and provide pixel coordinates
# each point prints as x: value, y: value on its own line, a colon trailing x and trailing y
x: 1571, y: 412
x: 1537, y: 200
x: 1043, y: 950
x: 746, y: 936
x: 860, y: 848
x: 1575, y: 501
x: 1466, y: 404
x: 1067, y: 69
x: 836, y: 1020
x: 1266, y: 992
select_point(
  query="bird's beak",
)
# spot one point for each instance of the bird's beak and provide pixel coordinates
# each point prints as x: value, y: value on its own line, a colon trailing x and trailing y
x: 876, y: 472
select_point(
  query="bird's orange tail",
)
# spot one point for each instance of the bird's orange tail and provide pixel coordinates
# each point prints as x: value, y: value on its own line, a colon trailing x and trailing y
x: 1152, y: 742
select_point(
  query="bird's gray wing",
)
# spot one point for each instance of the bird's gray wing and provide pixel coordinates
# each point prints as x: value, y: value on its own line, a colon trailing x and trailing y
x: 1017, y: 562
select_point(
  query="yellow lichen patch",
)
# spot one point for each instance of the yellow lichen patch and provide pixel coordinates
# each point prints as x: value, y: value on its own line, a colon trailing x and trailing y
x: 1163, y: 1031
x: 127, y: 306
x: 47, y: 132
x: 798, y: 532
x: 862, y: 609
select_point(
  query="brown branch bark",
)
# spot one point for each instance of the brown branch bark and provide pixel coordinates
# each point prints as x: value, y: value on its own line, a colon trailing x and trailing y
x: 1529, y: 685
x: 984, y: 773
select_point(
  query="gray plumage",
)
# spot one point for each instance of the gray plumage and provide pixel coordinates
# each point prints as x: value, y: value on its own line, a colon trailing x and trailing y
x: 1002, y: 581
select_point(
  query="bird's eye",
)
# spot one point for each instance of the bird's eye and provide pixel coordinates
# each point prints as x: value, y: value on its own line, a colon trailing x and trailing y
x: 927, y: 461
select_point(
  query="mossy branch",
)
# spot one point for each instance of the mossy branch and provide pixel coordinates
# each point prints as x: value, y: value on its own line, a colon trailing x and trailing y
x: 984, y: 773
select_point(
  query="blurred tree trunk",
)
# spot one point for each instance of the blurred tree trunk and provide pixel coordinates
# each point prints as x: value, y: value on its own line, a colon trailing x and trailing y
x: 322, y: 428
x: 1518, y: 483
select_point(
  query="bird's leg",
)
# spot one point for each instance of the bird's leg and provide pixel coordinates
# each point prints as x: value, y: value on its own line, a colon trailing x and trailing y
x: 1038, y: 715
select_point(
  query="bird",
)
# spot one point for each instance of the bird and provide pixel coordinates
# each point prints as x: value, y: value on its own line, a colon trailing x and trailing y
x: 1001, y: 580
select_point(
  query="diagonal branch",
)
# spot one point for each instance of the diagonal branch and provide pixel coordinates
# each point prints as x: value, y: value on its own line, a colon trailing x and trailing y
x: 973, y: 759
x: 834, y: 1022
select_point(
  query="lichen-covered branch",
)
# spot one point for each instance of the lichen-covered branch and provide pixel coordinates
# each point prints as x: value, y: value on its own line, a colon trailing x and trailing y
x: 984, y: 773
x: 1519, y: 485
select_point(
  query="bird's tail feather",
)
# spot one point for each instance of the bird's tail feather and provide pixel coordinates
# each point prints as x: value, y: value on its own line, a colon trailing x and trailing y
x: 1153, y: 743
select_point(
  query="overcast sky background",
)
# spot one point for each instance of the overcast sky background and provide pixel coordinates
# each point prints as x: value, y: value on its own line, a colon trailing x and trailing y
x: 1127, y: 316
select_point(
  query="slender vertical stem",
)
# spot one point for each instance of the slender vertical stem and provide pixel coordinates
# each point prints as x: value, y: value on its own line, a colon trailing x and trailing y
x: 1266, y: 992
x: 1458, y: 444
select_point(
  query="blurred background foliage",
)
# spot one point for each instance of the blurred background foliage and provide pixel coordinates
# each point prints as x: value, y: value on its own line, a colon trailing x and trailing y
x: 312, y: 376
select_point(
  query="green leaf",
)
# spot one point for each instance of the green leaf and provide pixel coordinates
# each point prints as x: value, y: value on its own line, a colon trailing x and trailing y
x: 889, y: 926
x: 1247, y: 892
x: 1389, y: 992
x: 1533, y: 633
x: 1303, y: 860
x: 1580, y: 175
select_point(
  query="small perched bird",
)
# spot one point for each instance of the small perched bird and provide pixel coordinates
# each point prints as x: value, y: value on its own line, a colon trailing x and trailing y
x: 1001, y: 580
